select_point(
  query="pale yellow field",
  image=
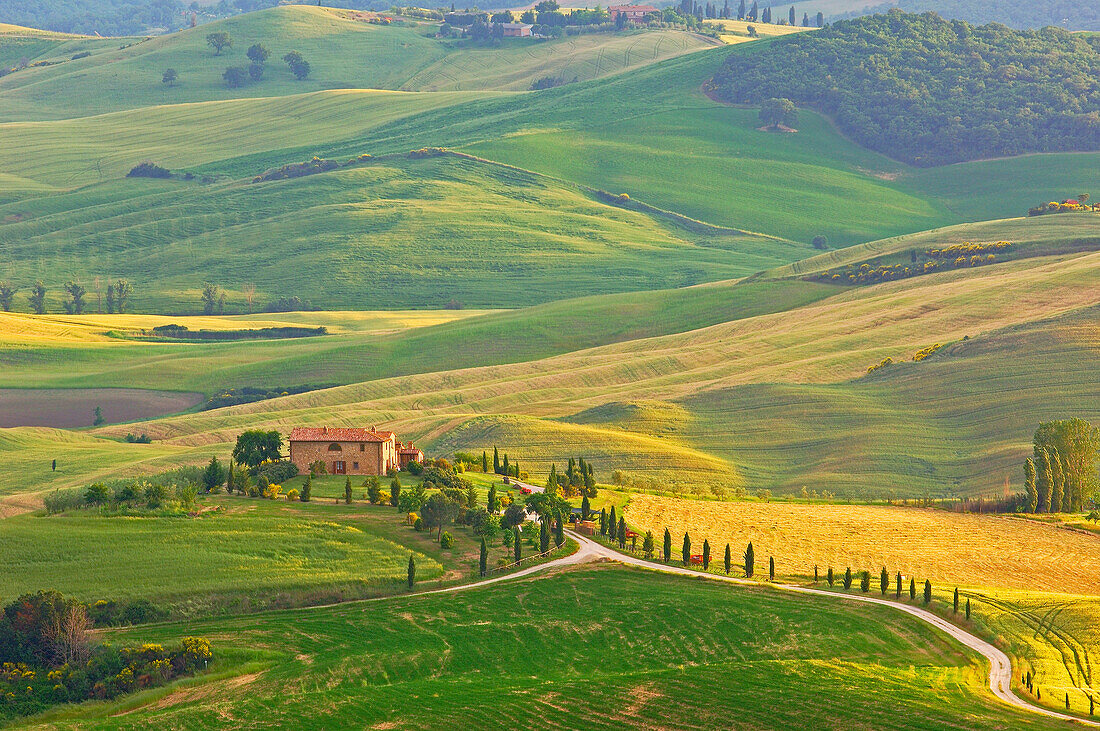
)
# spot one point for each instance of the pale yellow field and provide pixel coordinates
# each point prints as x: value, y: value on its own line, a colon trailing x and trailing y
x: 22, y: 328
x: 948, y: 548
x: 737, y: 31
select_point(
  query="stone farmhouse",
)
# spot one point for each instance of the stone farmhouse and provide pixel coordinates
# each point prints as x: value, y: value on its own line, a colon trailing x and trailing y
x: 632, y: 13
x: 350, y: 451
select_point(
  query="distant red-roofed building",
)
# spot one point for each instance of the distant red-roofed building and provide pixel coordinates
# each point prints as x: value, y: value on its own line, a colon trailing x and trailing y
x: 631, y: 13
x: 350, y: 451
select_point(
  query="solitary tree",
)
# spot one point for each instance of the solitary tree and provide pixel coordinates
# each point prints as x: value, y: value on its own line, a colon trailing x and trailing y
x: 729, y: 559
x: 667, y: 547
x: 256, y: 446
x: 37, y: 298
x: 927, y: 592
x: 687, y: 549
x: 706, y: 554
x: 257, y: 53
x: 169, y: 78
x: 483, y: 562
x: 412, y: 571
x: 884, y: 581
x: 829, y: 576
x: 97, y: 417
x: 776, y: 111
x: 7, y: 295
x: 235, y: 76
x: 912, y: 589
x: 955, y: 603
x: 307, y: 488
x: 968, y: 608
x: 347, y: 491
x: 750, y: 559
x: 213, y: 299
x: 771, y: 568
x: 75, y: 304
x: 219, y: 41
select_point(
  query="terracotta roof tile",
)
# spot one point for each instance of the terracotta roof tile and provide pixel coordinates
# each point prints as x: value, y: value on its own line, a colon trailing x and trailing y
x: 337, y: 434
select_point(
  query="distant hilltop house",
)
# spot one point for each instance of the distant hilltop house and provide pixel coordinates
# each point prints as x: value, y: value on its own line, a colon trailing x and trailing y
x: 632, y: 13
x: 350, y: 451
x: 516, y: 30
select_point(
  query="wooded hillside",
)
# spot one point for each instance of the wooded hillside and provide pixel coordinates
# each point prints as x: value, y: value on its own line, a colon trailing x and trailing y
x: 929, y: 91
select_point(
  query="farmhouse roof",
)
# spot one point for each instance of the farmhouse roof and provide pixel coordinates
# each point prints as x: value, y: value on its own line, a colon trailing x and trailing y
x: 337, y: 434
x: 638, y: 8
x: 516, y: 26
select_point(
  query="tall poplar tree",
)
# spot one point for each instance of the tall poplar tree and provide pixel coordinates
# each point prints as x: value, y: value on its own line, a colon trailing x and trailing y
x: 1057, y: 484
x: 1030, y: 489
x: 1043, y: 481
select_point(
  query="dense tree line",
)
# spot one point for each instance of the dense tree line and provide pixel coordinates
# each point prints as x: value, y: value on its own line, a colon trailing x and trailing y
x: 929, y: 91
x: 1068, y: 14
x: 1061, y: 475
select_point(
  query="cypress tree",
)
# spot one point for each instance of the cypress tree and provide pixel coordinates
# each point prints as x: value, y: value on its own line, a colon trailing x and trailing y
x: 603, y: 522
x: 544, y: 536
x: 741, y: 10
x: 884, y: 581
x: 517, y: 548
x: 815, y: 574
x: 848, y: 578
x: 968, y: 608
x: 612, y: 525
x: 229, y: 480
x: 1029, y: 485
x: 706, y: 554
x: 829, y: 576
x: 484, y: 560
x: 347, y: 491
x: 1092, y: 705
x: 307, y: 489
x: 504, y: 466
x: 1043, y: 482
x: 771, y: 568
x: 484, y: 462
x: 729, y: 559
x: 496, y: 461
x: 647, y: 544
x: 1057, y: 483
x: 955, y: 603
x: 1067, y: 701
x: 912, y: 588
x: 559, y: 534
x: 897, y: 592
x: 395, y: 491
x: 586, y: 508
x: 668, y: 546
x: 865, y: 581
x: 805, y: 20
x: 494, y: 503
x: 750, y: 559
x: 412, y: 571
x: 622, y: 532
x: 820, y: 19
x: 927, y: 592
x: 791, y: 16
x: 687, y: 549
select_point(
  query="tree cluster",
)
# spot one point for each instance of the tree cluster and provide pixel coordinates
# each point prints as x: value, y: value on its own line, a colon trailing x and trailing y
x: 578, y: 480
x: 929, y: 91
x: 1061, y: 474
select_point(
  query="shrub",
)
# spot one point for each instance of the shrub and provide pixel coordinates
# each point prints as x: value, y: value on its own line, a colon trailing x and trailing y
x: 446, y: 540
x: 148, y: 170
x: 418, y: 524
x: 292, y: 494
x: 414, y: 467
x: 280, y: 471
x: 61, y: 500
x: 317, y: 467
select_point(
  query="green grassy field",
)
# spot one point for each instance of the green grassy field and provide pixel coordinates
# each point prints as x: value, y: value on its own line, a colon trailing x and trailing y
x: 638, y: 650
x: 418, y: 232
x: 344, y: 52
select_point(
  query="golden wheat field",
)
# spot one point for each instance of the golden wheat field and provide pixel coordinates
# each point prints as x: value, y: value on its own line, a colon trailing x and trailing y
x: 947, y: 548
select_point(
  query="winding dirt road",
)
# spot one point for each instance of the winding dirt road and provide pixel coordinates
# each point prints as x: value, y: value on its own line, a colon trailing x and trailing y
x: 1000, y: 667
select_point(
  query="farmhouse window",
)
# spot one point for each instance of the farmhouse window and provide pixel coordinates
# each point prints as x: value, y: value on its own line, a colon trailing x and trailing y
x: 362, y: 447
x: 334, y: 447
x: 355, y: 465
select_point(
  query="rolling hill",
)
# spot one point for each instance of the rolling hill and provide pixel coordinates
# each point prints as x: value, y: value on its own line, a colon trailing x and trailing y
x: 344, y: 51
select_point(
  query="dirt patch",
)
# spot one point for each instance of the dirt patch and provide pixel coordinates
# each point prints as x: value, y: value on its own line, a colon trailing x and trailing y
x: 13, y: 505
x: 196, y: 693
x: 13, y: 218
x: 75, y: 407
x: 640, y: 695
x: 776, y: 128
